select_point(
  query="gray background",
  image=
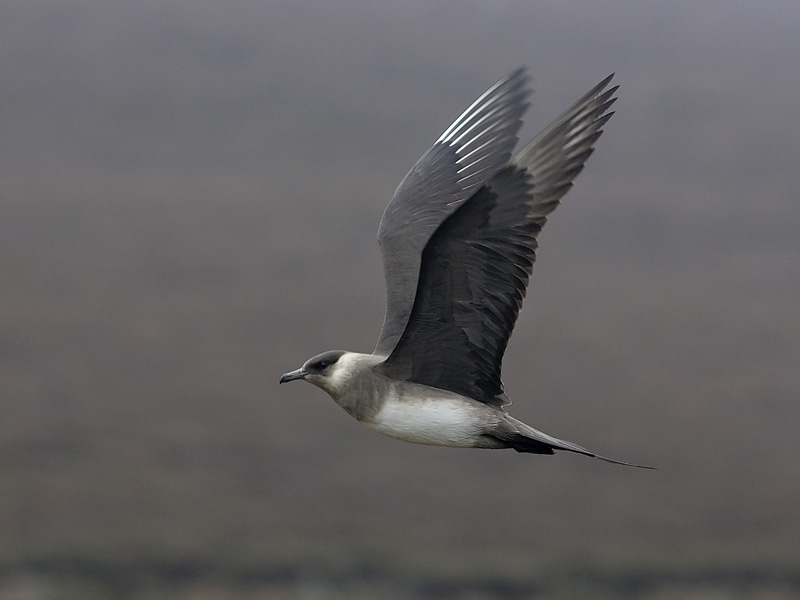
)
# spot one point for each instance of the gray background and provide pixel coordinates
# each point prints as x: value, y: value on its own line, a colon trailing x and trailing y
x: 189, y: 195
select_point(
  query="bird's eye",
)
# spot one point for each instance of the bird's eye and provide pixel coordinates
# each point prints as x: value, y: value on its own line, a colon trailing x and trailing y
x: 322, y: 365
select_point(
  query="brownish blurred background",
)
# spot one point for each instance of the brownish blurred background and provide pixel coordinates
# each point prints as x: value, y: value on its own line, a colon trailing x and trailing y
x: 189, y: 195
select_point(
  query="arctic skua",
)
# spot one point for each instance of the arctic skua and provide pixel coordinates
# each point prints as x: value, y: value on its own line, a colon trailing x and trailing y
x: 458, y: 241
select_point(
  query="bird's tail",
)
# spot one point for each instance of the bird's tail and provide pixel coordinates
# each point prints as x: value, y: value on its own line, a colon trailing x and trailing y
x: 524, y: 438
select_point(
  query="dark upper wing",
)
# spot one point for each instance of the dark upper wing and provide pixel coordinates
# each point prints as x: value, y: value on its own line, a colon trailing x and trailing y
x: 466, y: 155
x: 476, y: 266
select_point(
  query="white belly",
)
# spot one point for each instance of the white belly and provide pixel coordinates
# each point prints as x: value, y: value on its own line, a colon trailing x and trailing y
x: 440, y: 422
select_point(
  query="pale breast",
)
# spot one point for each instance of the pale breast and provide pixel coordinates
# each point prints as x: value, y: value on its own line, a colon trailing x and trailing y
x: 439, y: 422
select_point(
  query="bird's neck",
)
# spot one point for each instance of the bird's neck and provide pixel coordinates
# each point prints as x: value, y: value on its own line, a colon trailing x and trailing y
x: 355, y: 386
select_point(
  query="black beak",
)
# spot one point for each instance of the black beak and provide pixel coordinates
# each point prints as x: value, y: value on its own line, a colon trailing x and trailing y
x: 292, y: 375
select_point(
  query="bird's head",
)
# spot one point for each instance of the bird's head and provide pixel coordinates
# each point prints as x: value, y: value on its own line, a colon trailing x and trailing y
x: 325, y: 370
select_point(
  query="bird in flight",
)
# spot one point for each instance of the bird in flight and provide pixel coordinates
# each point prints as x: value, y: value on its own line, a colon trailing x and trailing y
x: 458, y: 241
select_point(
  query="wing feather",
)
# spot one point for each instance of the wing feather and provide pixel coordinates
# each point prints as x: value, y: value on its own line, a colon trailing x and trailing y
x: 475, y: 266
x: 466, y: 155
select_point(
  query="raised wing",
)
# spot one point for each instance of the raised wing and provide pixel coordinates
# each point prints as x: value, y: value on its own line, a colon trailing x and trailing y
x: 476, y: 266
x: 465, y: 157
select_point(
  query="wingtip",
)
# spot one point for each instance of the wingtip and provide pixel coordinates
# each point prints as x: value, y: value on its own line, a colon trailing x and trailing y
x: 598, y: 89
x: 520, y: 74
x: 520, y: 71
x: 519, y: 78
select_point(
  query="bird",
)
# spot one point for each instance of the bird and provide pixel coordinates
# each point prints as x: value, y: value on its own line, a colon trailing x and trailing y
x: 458, y: 241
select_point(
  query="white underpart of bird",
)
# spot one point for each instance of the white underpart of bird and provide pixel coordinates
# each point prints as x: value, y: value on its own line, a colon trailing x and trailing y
x: 458, y: 241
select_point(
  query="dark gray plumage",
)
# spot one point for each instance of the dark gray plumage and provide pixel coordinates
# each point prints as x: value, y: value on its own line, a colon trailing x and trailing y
x: 477, y: 145
x: 459, y: 241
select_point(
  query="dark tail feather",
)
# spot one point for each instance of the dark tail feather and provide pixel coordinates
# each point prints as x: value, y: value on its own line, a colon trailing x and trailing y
x: 520, y: 443
x: 530, y: 440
